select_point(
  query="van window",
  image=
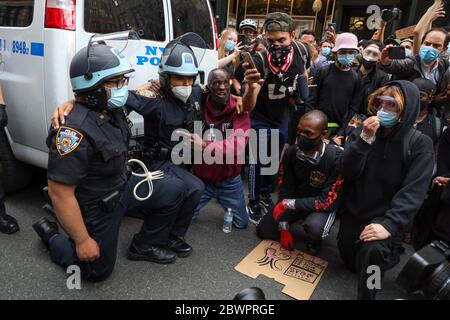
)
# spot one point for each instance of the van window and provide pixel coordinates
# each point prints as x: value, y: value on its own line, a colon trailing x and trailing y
x: 17, y: 13
x: 105, y: 16
x: 192, y: 16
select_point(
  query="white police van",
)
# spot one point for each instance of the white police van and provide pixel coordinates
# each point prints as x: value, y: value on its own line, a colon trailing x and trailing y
x: 38, y: 39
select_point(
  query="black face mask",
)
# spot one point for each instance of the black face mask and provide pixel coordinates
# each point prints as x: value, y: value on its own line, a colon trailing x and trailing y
x: 219, y: 100
x: 368, y: 64
x: 282, y: 52
x: 306, y: 144
x: 424, y: 104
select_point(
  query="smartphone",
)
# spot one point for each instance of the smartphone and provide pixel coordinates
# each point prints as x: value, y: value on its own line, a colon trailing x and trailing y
x: 242, y: 39
x: 331, y: 27
x: 247, y: 57
x: 397, y: 53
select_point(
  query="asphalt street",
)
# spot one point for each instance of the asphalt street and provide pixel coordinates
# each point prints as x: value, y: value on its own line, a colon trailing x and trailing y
x: 26, y: 271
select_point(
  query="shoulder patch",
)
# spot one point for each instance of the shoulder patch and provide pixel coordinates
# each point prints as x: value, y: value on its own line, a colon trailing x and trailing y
x: 67, y: 140
x: 147, y: 93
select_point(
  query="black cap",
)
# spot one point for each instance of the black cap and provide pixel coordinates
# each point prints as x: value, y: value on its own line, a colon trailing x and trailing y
x: 279, y: 21
x: 425, y: 85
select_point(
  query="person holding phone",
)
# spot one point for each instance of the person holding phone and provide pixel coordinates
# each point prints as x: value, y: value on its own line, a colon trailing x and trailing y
x: 283, y: 67
x: 428, y: 64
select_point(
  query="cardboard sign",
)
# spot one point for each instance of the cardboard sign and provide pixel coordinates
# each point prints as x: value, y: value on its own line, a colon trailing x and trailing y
x: 299, y: 272
x: 405, y: 32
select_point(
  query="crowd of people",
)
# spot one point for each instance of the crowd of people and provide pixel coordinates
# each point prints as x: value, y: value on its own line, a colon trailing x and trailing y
x: 361, y: 137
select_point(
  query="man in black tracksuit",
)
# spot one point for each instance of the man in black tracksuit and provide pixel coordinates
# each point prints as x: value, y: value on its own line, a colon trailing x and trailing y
x: 310, y: 187
x: 385, y: 185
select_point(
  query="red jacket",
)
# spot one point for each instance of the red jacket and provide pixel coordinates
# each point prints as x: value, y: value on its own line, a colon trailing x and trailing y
x: 229, y: 149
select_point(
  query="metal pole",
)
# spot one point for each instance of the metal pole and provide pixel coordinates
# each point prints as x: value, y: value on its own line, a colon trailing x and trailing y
x: 332, y: 12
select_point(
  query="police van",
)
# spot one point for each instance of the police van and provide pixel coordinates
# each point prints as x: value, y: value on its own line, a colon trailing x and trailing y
x: 38, y: 39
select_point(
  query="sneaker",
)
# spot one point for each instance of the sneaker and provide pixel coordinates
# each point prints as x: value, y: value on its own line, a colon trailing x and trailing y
x: 254, y: 213
x: 266, y: 204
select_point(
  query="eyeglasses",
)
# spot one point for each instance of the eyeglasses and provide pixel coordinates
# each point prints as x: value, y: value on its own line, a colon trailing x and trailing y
x: 385, y: 103
x: 119, y: 83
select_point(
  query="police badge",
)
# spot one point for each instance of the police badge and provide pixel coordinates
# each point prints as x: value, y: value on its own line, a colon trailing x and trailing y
x: 67, y: 140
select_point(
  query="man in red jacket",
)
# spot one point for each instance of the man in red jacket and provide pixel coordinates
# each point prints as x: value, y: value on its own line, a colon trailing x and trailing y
x: 225, y: 139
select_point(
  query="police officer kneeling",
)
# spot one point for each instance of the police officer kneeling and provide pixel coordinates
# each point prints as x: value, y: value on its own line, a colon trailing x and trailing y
x: 87, y: 175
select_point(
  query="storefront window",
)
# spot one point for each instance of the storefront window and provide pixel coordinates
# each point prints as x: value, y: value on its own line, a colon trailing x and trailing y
x: 258, y: 7
x: 280, y: 6
x: 304, y: 7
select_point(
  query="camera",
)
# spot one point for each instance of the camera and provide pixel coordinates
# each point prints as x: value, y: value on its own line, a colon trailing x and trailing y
x: 389, y: 15
x: 428, y: 272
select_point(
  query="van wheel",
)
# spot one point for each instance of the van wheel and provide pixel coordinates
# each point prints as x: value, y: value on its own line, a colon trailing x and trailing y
x: 15, y: 174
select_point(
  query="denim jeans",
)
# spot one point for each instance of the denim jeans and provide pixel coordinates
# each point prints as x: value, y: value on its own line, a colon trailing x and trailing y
x: 263, y: 184
x: 230, y: 194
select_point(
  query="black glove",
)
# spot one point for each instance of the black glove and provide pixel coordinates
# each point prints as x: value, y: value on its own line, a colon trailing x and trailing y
x: 3, y: 117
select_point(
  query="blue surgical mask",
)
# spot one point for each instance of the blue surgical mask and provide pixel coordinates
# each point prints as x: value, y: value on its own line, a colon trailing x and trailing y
x: 346, y: 59
x: 428, y: 54
x: 326, y: 51
x: 118, y: 97
x: 387, y: 119
x: 229, y: 46
x: 448, y: 49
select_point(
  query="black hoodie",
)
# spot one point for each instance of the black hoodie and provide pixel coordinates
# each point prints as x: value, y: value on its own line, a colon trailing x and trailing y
x: 381, y: 186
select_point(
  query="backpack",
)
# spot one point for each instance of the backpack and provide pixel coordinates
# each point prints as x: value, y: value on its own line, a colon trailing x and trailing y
x: 411, y: 137
x: 298, y: 46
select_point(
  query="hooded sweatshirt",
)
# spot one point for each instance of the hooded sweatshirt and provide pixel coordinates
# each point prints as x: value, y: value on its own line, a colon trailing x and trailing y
x: 229, y: 147
x: 380, y: 185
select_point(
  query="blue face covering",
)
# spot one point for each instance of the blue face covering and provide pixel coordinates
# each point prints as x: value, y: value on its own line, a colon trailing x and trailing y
x: 326, y: 51
x: 387, y: 119
x: 428, y: 54
x: 229, y: 46
x: 346, y: 59
x: 118, y: 98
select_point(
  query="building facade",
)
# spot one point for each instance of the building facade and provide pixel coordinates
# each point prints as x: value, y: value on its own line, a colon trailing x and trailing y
x: 358, y: 16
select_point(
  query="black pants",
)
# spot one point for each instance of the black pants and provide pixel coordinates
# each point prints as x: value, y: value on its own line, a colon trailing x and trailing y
x: 315, y: 226
x: 163, y: 207
x: 2, y: 202
x: 193, y: 191
x: 358, y: 255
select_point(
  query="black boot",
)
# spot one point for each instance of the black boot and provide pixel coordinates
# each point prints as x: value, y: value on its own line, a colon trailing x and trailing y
x: 153, y: 253
x: 179, y: 246
x: 45, y: 229
x: 8, y: 224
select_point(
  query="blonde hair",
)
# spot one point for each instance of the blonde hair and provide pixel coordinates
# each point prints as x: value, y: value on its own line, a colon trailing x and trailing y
x: 389, y: 90
x: 223, y: 41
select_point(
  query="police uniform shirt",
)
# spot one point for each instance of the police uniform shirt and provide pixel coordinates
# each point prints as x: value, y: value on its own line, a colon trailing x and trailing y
x: 89, y: 151
x: 272, y: 105
x: 162, y: 116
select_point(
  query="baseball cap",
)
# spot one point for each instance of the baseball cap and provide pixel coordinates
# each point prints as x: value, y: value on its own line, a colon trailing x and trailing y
x: 279, y: 21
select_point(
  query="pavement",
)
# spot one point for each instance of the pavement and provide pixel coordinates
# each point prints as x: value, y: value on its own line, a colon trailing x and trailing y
x: 26, y: 271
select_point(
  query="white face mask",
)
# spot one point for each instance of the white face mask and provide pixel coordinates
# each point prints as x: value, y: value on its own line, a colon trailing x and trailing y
x: 182, y: 92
